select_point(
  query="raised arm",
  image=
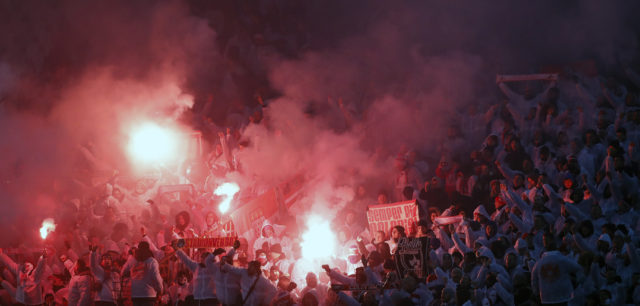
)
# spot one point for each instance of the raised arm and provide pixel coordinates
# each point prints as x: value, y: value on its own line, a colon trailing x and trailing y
x: 96, y: 269
x: 157, y: 253
x: 126, y: 269
x: 334, y: 275
x: 191, y: 265
x: 9, y: 263
x: 505, y: 170
x: 39, y: 270
x: 511, y: 95
x: 463, y: 248
x: 504, y: 295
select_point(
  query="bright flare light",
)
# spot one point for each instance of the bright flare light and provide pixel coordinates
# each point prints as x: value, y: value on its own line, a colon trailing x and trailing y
x: 48, y: 226
x: 318, y: 241
x: 227, y: 191
x: 152, y: 143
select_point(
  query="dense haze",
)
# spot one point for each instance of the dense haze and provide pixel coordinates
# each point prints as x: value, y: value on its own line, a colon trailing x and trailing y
x: 73, y: 73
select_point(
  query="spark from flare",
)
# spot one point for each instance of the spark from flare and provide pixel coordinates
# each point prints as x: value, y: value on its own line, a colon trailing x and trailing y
x: 151, y: 143
x: 227, y: 191
x: 318, y: 241
x: 48, y: 226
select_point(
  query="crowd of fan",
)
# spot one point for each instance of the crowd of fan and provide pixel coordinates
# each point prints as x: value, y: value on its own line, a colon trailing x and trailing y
x: 543, y: 211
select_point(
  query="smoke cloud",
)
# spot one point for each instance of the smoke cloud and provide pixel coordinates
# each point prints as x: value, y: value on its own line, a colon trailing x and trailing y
x: 75, y: 73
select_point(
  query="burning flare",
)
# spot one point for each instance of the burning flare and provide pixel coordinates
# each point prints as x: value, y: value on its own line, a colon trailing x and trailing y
x: 151, y: 143
x: 48, y: 226
x: 227, y: 191
x: 318, y: 241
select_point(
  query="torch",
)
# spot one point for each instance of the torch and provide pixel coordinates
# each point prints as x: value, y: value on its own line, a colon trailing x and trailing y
x: 226, y: 191
x: 151, y: 143
x: 319, y: 241
x: 48, y: 226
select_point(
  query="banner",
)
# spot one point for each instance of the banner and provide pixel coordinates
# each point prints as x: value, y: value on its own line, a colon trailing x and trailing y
x: 180, y: 192
x: 448, y: 220
x: 384, y: 217
x: 411, y: 256
x: 219, y: 242
x: 527, y: 77
x: 251, y: 215
x: 291, y: 190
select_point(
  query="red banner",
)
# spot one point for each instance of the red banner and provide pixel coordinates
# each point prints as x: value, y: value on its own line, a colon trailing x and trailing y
x: 220, y: 242
x: 384, y: 217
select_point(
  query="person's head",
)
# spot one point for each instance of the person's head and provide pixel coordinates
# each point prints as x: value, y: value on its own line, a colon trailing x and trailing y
x: 204, y: 255
x: 447, y: 261
x: 312, y: 280
x: 549, y: 242
x: 456, y: 275
x: 261, y: 257
x: 254, y: 268
x: 379, y: 237
x: 397, y: 232
x: 492, y: 141
x: 143, y: 252
x: 511, y: 260
x: 433, y: 214
x: 182, y: 220
x: 211, y: 218
x: 27, y: 267
x: 491, y: 229
x: 382, y: 198
x: 604, y: 297
x: 562, y: 138
x: 119, y: 231
x: 448, y: 295
x: 604, y: 243
x: 81, y: 266
x: 518, y: 180
x: 422, y: 229
x: 514, y: 145
x: 274, y: 273
x: 577, y: 195
x: 552, y: 95
x: 590, y: 138
x: 596, y: 212
x: 361, y: 277
x: 539, y: 222
x: 407, y: 193
x: 621, y: 134
x: 106, y: 261
x: 350, y: 217
x: 182, y: 278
